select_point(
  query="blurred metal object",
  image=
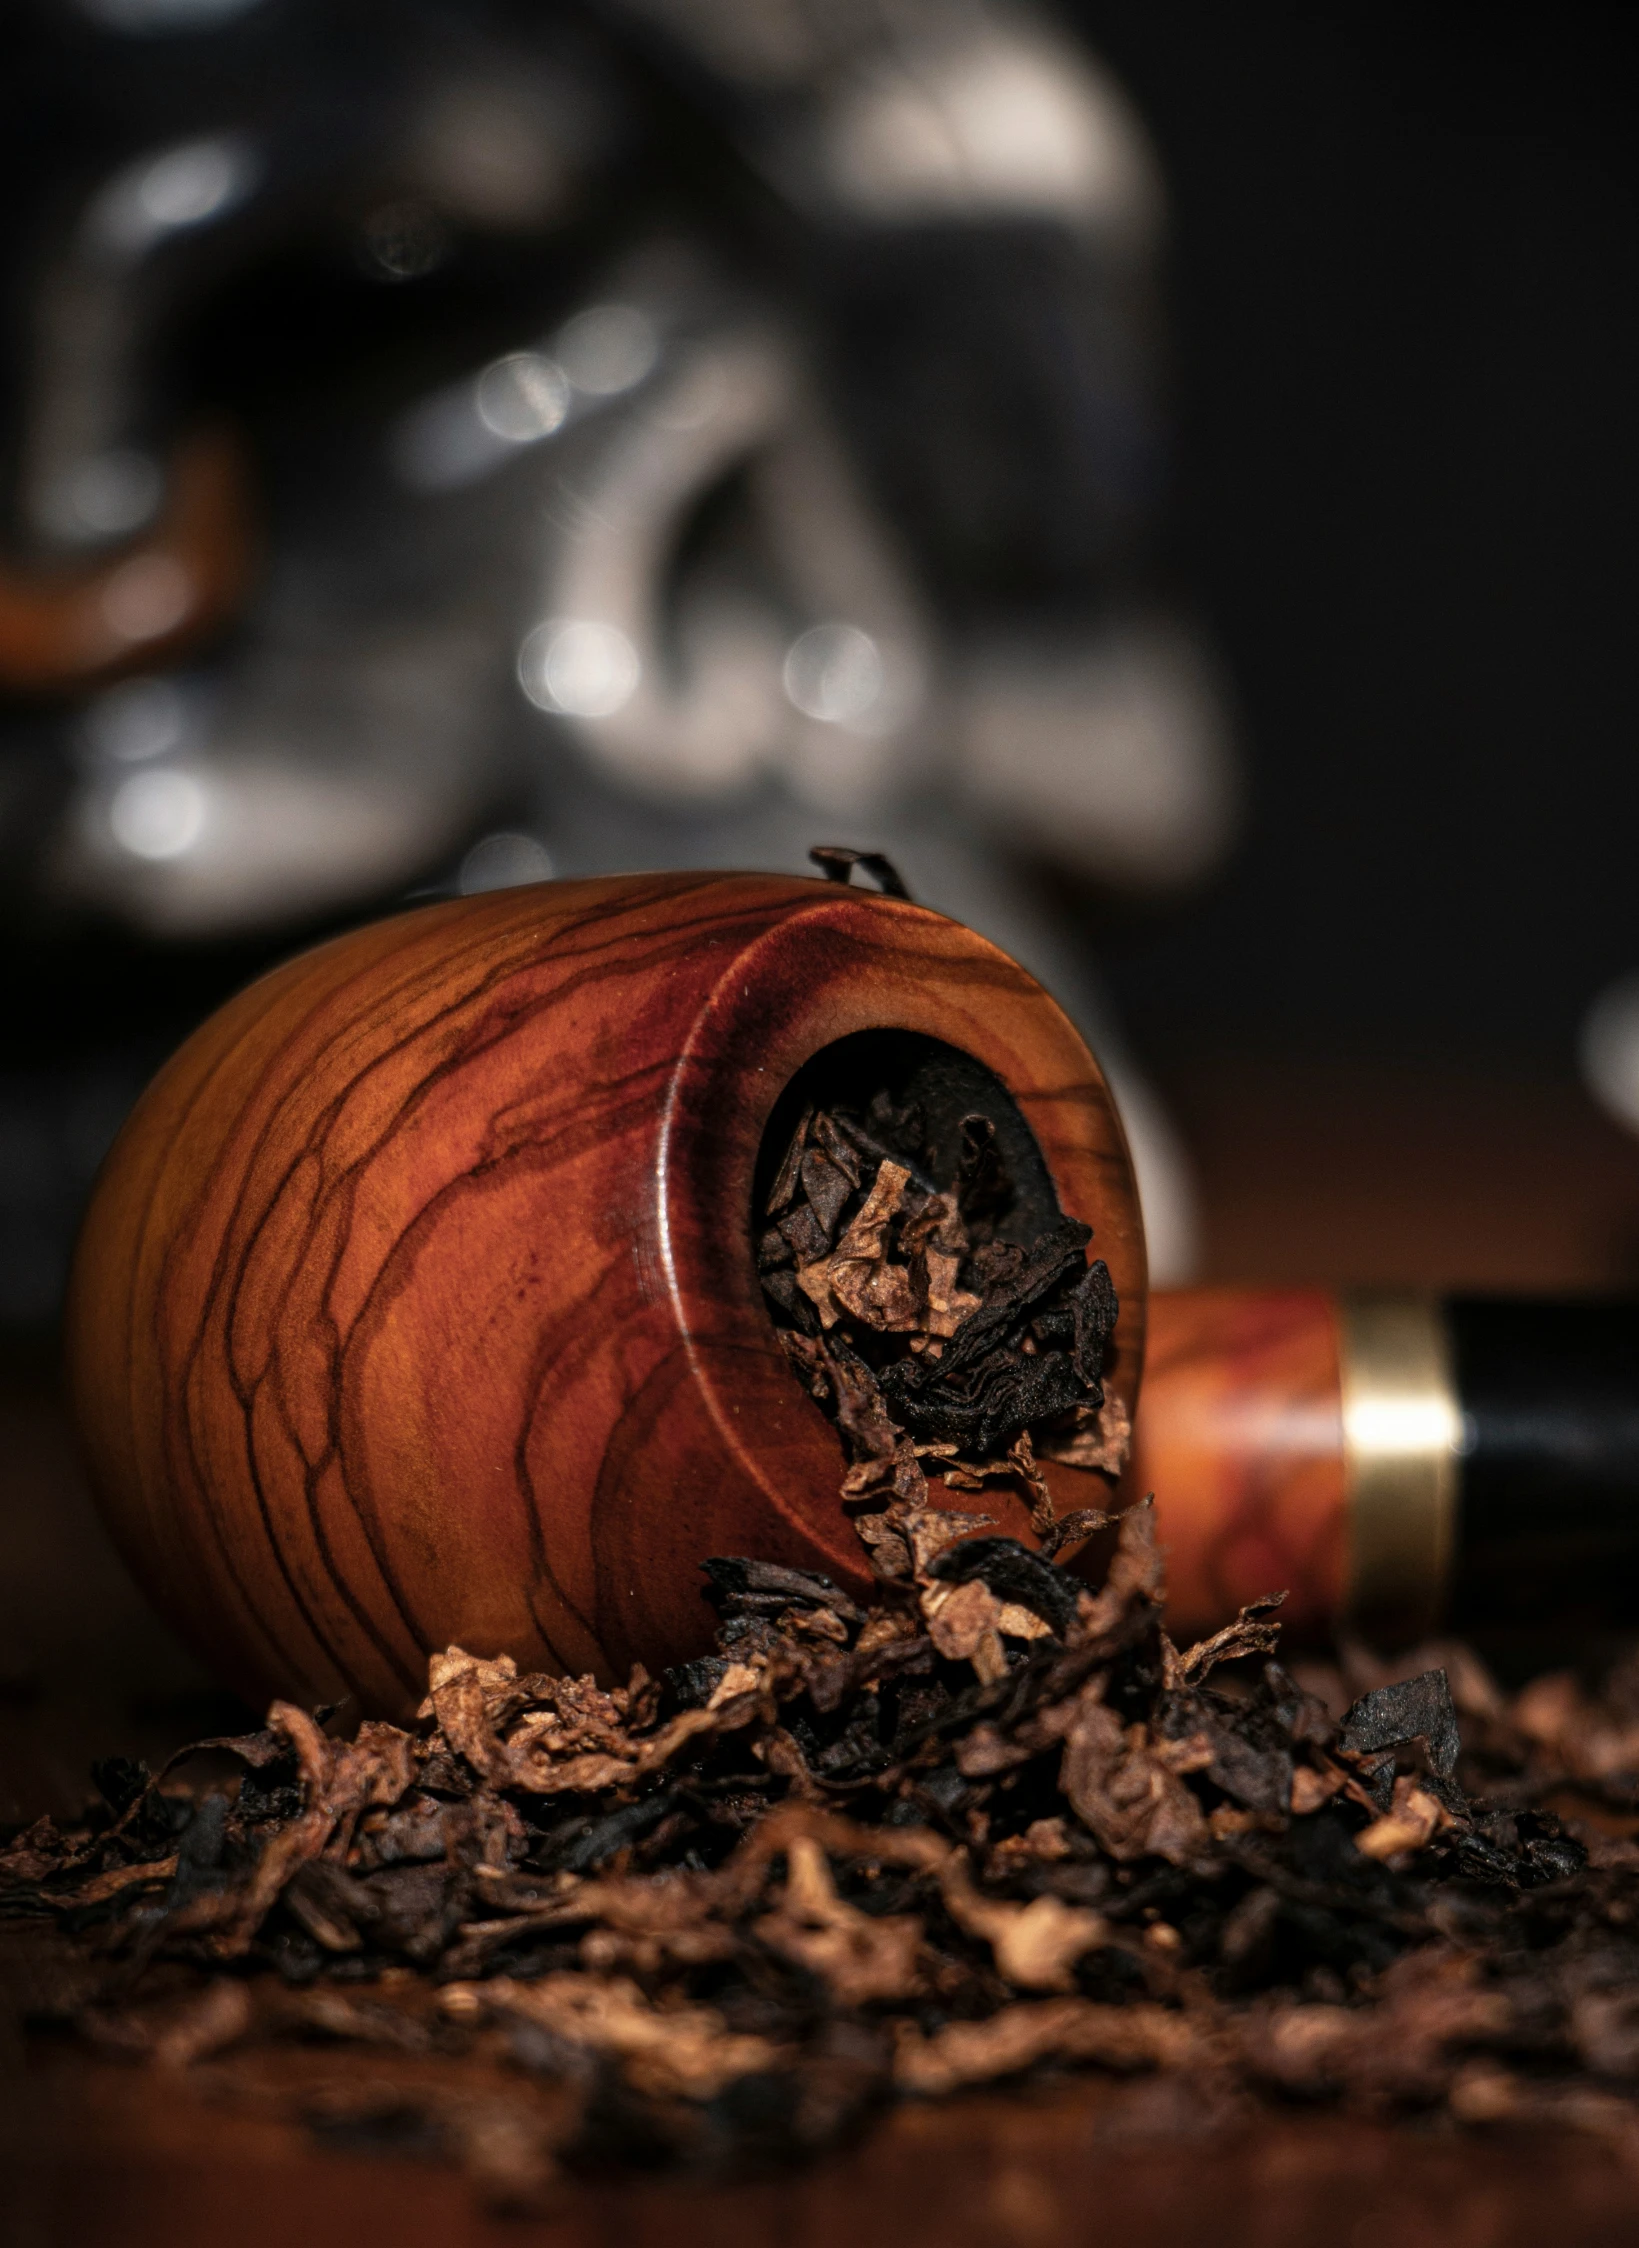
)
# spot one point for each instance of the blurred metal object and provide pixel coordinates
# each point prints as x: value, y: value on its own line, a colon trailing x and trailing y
x: 914, y: 111
x: 1608, y: 1050
x: 816, y: 678
x: 1402, y: 1443
x: 88, y: 474
x: 1109, y: 750
x: 65, y: 624
x: 674, y: 424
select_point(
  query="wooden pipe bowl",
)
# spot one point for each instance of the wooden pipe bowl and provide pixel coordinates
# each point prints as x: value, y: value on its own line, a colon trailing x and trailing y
x: 416, y: 1301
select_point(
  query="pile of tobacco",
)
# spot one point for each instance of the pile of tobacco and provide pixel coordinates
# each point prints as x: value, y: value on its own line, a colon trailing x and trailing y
x: 991, y: 1824
x: 725, y: 1915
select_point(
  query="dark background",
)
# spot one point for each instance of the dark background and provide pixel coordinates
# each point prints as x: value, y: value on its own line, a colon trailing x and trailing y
x: 1406, y: 315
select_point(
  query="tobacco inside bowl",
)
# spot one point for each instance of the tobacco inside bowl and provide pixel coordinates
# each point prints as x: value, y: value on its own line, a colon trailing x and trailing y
x: 926, y: 1286
x: 906, y: 1071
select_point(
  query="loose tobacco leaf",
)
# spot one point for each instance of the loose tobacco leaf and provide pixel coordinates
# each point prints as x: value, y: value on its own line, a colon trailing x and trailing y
x: 989, y: 1823
x: 1418, y: 1708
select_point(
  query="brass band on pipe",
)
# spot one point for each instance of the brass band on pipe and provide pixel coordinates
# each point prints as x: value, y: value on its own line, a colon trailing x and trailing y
x: 1402, y: 1436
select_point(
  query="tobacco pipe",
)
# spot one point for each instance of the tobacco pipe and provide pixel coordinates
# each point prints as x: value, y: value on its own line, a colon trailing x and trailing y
x: 1395, y: 1462
x: 416, y: 1302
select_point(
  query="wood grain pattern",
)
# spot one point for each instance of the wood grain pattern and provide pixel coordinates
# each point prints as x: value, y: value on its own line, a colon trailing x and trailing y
x: 1240, y: 1437
x: 416, y: 1301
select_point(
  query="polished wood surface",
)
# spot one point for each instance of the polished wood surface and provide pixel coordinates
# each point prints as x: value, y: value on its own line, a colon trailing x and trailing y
x: 416, y: 1302
x: 1240, y: 1437
x: 94, y: 2154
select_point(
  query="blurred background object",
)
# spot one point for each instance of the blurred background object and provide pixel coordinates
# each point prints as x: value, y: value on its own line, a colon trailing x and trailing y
x: 453, y: 448
x: 1162, y: 477
x: 1609, y: 1050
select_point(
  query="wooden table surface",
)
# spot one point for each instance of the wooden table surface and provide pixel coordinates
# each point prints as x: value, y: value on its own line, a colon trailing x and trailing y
x: 1327, y: 1173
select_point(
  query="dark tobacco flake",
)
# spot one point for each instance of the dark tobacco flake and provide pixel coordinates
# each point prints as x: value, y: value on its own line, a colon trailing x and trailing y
x: 121, y: 1781
x: 835, y: 1143
x: 1012, y: 1572
x: 827, y: 1187
x: 806, y: 1235
x: 1418, y: 1708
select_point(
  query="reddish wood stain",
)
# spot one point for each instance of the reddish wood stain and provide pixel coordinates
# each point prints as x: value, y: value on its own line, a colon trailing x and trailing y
x: 416, y: 1302
x: 1240, y: 1437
